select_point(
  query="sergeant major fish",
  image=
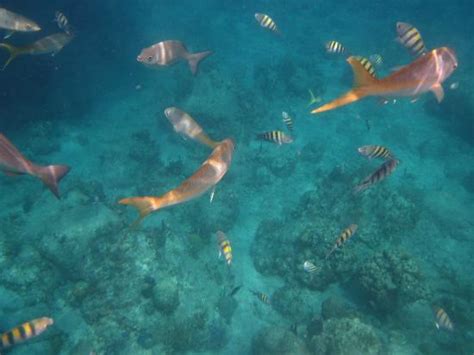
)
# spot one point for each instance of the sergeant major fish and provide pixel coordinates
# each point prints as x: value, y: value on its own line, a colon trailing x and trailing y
x: 309, y: 267
x: 185, y: 125
x: 224, y: 247
x: 277, y: 137
x: 343, y: 238
x: 426, y: 73
x: 63, y: 22
x: 442, y: 319
x: 49, y: 44
x: 262, y: 297
x: 13, y: 22
x: 266, y: 22
x: 375, y: 151
x: 287, y: 120
x: 378, y: 175
x: 167, y: 53
x: 366, y: 64
x: 207, y: 176
x: 411, y: 39
x: 24, y: 332
x: 13, y: 163
x: 335, y: 47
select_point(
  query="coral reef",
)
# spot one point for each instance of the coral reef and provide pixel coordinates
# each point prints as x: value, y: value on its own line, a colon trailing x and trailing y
x: 166, y: 295
x: 275, y: 340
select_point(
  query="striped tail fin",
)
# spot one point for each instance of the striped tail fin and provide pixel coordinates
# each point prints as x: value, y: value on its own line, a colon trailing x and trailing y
x: 14, y: 52
x: 51, y: 175
x: 363, y: 83
x: 145, y: 205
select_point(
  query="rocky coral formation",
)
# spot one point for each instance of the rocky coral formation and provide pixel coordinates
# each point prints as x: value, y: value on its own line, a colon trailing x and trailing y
x: 166, y: 295
x: 337, y: 307
x: 275, y: 340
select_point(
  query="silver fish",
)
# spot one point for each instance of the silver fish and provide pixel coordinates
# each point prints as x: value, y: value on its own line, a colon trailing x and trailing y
x: 13, y: 22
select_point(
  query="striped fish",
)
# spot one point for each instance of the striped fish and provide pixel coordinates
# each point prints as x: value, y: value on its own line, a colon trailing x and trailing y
x: 378, y: 175
x: 287, y: 120
x: 266, y: 22
x: 278, y: 137
x: 375, y: 151
x: 411, y: 39
x: 224, y: 247
x: 366, y: 64
x: 442, y: 319
x: 262, y: 297
x: 63, y: 22
x: 343, y: 238
x: 24, y: 332
x: 335, y: 47
x: 376, y: 59
x: 309, y: 267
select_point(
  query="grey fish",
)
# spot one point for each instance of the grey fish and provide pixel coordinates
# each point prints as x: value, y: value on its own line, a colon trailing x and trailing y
x: 378, y: 175
x: 13, y: 22
x: 63, y: 22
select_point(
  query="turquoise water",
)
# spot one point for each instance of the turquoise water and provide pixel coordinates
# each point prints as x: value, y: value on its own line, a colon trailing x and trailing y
x: 161, y: 288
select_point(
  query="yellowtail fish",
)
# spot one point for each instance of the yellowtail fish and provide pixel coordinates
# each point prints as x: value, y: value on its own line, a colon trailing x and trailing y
x: 287, y: 120
x: 63, y: 22
x: 224, y: 247
x: 24, y: 332
x: 49, y: 44
x: 375, y: 151
x: 13, y: 22
x: 262, y: 297
x: 442, y: 319
x: 366, y: 64
x: 278, y: 137
x: 266, y: 22
x: 335, y: 47
x: 376, y: 59
x: 378, y: 175
x: 343, y: 238
x: 309, y: 267
x: 312, y: 99
x: 411, y: 39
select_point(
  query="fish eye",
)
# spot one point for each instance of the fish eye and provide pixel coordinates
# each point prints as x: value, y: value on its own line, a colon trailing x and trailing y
x: 28, y: 27
x: 150, y: 58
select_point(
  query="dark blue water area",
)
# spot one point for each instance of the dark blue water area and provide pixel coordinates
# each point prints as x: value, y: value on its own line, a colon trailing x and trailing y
x: 159, y: 287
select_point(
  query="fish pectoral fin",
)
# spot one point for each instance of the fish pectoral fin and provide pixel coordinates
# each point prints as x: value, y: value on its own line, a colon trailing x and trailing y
x: 438, y: 92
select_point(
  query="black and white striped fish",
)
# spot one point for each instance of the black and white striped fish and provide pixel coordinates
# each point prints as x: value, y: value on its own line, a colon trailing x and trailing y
x: 63, y: 22
x: 262, y: 296
x: 376, y: 59
x: 335, y: 47
x: 277, y: 137
x: 343, y: 238
x: 378, y: 175
x: 366, y: 64
x: 266, y: 22
x: 442, y: 319
x: 411, y: 39
x: 287, y: 120
x: 375, y: 151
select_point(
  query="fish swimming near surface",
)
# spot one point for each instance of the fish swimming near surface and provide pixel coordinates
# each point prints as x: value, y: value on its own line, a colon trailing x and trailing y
x: 185, y: 125
x: 411, y: 39
x: 262, y: 297
x: 442, y: 320
x: 343, y: 238
x: 426, y: 73
x: 386, y: 169
x: 13, y: 163
x: 335, y: 47
x: 277, y: 137
x: 24, y: 332
x: 51, y: 44
x: 366, y: 64
x: 375, y: 151
x: 224, y: 247
x: 13, y: 22
x: 63, y: 22
x: 287, y: 120
x: 309, y: 267
x: 267, y: 22
x: 207, y: 176
x: 167, y: 53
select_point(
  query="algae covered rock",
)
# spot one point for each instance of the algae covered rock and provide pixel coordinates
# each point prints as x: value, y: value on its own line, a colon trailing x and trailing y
x: 337, y: 307
x: 274, y: 340
x: 166, y: 295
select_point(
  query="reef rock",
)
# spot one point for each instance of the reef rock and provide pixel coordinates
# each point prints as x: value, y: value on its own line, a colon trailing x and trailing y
x: 274, y: 340
x: 166, y: 295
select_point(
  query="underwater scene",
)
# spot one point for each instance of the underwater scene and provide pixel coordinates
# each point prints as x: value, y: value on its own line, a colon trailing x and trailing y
x: 236, y: 177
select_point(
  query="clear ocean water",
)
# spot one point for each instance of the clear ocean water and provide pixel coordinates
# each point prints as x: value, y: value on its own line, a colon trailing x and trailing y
x: 160, y: 288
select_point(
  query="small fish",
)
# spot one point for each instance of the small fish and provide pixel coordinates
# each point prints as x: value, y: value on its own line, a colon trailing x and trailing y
x: 377, y: 59
x: 63, y: 22
x: 211, y: 197
x: 262, y: 297
x: 235, y: 290
x: 278, y: 137
x: 343, y: 238
x: 13, y: 22
x: 381, y: 173
x: 46, y: 45
x: 287, y: 120
x: 24, y: 332
x: 224, y: 247
x: 167, y: 53
x: 366, y: 64
x: 309, y: 267
x: 411, y: 39
x: 266, y: 22
x: 454, y: 85
x: 442, y: 319
x: 375, y: 151
x: 313, y: 100
x: 335, y: 47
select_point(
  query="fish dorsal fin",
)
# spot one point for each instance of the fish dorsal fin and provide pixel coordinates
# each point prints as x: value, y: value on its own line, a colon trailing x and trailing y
x: 361, y: 76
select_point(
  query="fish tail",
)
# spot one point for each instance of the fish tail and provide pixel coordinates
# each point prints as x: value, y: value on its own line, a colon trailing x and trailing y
x: 14, y: 52
x: 204, y: 139
x: 343, y: 100
x: 144, y: 205
x: 195, y: 58
x: 361, y: 187
x: 51, y: 175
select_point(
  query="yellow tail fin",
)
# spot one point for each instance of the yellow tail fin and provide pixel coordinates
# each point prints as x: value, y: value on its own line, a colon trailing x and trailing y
x: 144, y: 205
x: 14, y: 52
x: 363, y: 83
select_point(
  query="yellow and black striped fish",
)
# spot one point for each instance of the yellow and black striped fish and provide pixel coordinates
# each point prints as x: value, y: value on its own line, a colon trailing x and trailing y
x: 335, y: 47
x: 24, y: 332
x: 266, y: 22
x: 278, y: 137
x: 442, y: 319
x: 410, y: 37
x: 287, y: 120
x: 343, y: 237
x: 376, y: 59
x: 378, y: 175
x: 366, y: 64
x: 224, y: 247
x: 375, y: 151
x: 262, y: 297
